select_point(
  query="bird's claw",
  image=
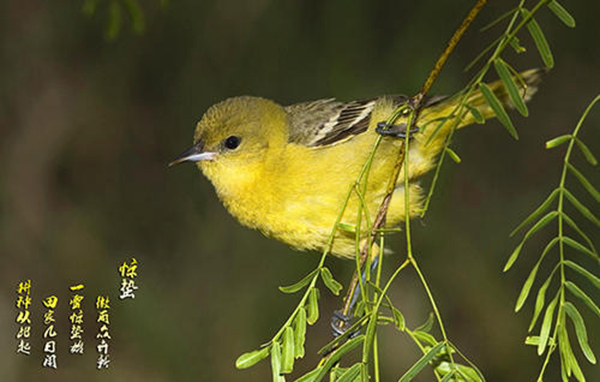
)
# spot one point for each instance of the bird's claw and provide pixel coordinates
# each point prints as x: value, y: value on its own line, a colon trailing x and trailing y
x: 340, y: 324
x: 398, y: 131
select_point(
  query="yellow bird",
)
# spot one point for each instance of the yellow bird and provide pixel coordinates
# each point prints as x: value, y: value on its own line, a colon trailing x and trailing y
x: 286, y: 170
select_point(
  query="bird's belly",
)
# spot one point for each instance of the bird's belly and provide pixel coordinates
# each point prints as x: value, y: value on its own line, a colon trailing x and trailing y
x: 306, y: 222
x: 309, y: 223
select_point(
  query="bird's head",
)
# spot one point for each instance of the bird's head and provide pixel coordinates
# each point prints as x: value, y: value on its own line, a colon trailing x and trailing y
x: 235, y: 137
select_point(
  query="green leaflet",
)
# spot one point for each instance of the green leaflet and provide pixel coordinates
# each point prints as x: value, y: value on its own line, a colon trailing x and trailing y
x: 453, y: 155
x: 539, y: 301
x: 580, y: 331
x: 539, y: 39
x: 498, y: 109
x: 334, y: 286
x: 427, y: 325
x: 516, y: 45
x: 351, y: 373
x: 503, y: 16
x: 513, y: 257
x: 584, y: 182
x: 468, y: 373
x: 541, y: 224
x: 565, y: 352
x: 546, y: 324
x: 249, y: 359
x: 576, y: 228
x: 421, y: 363
x: 276, y: 362
x: 398, y: 319
x: 555, y: 142
x: 541, y: 208
x: 587, y: 153
x: 562, y: 13
x: 287, y: 351
x: 536, y: 227
x: 583, y: 209
x: 300, y: 284
x: 313, y: 306
x: 299, y: 333
x: 569, y: 364
x: 578, y: 246
x: 370, y: 333
x: 526, y: 288
x: 425, y: 337
x: 477, y: 116
x: 529, y: 282
x: 449, y: 377
x: 336, y: 355
x: 347, y: 227
x: 584, y: 272
x: 511, y: 86
x: 584, y: 297
x: 340, y: 339
x: 311, y: 376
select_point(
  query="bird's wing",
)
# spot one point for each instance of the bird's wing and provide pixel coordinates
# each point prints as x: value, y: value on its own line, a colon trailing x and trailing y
x: 327, y: 121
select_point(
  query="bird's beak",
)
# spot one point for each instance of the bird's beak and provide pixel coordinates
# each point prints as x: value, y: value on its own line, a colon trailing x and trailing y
x: 194, y: 154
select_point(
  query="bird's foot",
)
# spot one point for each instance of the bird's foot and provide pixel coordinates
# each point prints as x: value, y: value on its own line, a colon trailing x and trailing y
x: 397, y: 131
x: 340, y: 323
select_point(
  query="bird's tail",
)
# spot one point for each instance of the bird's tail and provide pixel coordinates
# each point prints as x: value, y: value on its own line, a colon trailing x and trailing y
x: 477, y: 108
x: 436, y: 122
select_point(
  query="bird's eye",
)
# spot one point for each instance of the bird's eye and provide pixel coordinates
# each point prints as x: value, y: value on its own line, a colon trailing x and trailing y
x: 232, y: 142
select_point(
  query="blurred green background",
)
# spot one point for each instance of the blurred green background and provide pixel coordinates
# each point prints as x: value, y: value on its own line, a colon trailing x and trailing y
x: 87, y: 126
